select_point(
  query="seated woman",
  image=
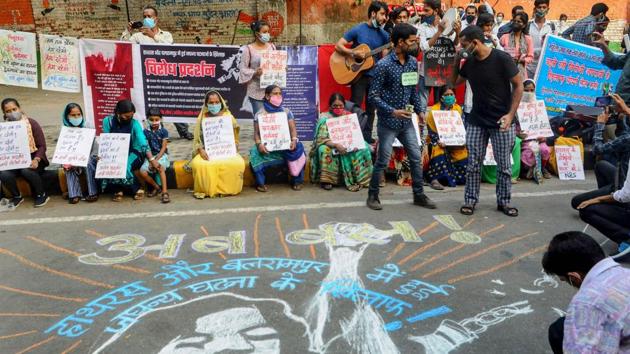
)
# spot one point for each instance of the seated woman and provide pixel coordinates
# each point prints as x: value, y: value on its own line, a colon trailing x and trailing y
x: 535, y: 153
x: 330, y: 162
x: 73, y: 118
x: 219, y: 177
x: 122, y: 122
x: 37, y: 146
x: 260, y: 158
x: 447, y: 165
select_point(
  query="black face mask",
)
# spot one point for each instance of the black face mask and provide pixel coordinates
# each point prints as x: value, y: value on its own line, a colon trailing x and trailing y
x: 412, y: 50
x: 124, y: 122
x: 470, y: 18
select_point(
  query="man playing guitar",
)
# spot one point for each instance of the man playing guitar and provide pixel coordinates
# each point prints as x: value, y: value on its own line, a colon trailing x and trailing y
x: 372, y: 34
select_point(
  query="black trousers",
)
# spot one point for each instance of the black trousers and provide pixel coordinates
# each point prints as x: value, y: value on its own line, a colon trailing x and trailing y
x: 33, y: 177
x: 359, y: 93
x: 605, y: 173
x: 182, y: 129
x: 612, y: 220
x: 556, y: 335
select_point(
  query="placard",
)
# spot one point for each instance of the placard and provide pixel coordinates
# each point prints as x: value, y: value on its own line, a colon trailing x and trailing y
x: 218, y: 137
x: 274, y: 131
x: 60, y: 63
x: 439, y: 62
x: 416, y: 126
x: 74, y: 146
x: 533, y: 119
x: 113, y: 152
x: 274, y: 68
x: 450, y: 127
x: 18, y: 58
x: 345, y: 130
x: 14, y: 149
x: 569, y: 160
x: 489, y: 160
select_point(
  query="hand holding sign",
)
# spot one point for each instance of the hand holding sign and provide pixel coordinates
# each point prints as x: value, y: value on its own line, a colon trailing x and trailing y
x: 274, y: 68
x: 74, y: 146
x: 346, y: 131
x: 450, y: 128
x: 113, y: 152
x: 14, y: 150
x: 218, y: 137
x: 274, y: 131
x: 533, y: 119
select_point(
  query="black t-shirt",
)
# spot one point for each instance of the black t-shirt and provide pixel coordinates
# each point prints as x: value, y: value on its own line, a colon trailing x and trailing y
x: 489, y: 80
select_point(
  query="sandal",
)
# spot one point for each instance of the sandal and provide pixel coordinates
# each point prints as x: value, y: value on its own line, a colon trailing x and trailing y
x: 199, y: 196
x: 435, y: 184
x: 262, y: 188
x: 297, y: 187
x: 139, y: 195
x: 165, y: 198
x: 152, y: 193
x: 327, y: 186
x: 117, y: 197
x: 508, y: 210
x: 467, y: 209
x: 354, y: 187
x: 74, y: 200
x: 91, y: 198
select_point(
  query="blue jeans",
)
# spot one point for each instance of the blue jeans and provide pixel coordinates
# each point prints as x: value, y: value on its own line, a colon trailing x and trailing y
x: 257, y: 105
x: 407, y: 137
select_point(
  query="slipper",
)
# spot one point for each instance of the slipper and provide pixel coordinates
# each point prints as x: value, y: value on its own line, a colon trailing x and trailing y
x: 508, y: 210
x: 262, y: 188
x: 91, y: 198
x: 74, y: 200
x: 354, y: 187
x: 117, y: 197
x: 165, y: 198
x: 467, y: 209
x: 139, y: 195
x: 327, y: 186
x: 297, y: 187
x: 152, y: 193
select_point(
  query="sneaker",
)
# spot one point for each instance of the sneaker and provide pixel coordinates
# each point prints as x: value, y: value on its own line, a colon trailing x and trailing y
x: 373, y: 202
x: 623, y: 246
x: 16, y: 201
x: 423, y: 201
x: 42, y: 200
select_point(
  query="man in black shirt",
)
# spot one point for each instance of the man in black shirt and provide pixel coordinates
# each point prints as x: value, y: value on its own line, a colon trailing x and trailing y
x: 497, y: 89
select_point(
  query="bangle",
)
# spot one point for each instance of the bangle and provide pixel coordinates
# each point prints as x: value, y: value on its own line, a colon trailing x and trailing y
x: 152, y: 159
x: 295, y: 139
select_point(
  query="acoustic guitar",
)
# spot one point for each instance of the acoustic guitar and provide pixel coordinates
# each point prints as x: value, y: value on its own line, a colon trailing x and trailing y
x: 346, y: 69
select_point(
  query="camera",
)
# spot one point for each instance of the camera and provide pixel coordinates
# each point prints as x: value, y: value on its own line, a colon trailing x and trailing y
x: 603, y: 101
x: 137, y: 24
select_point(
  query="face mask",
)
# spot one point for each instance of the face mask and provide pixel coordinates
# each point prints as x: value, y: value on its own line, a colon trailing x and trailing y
x: 275, y: 100
x: 562, y: 22
x: 124, y: 122
x: 470, y: 18
x: 13, y: 116
x: 154, y: 124
x: 517, y: 27
x: 148, y: 22
x: 265, y: 37
x: 412, y: 50
x: 541, y: 13
x: 448, y: 100
x: 529, y: 97
x: 214, y: 108
x: 429, y: 20
x: 467, y: 52
x: 75, y: 122
x: 499, y: 19
x: 338, y: 111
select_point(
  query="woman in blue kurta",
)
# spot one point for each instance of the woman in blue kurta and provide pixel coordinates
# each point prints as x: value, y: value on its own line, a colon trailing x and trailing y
x: 122, y: 122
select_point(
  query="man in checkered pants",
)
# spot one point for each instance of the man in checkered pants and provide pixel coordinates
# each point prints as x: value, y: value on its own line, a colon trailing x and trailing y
x: 497, y: 88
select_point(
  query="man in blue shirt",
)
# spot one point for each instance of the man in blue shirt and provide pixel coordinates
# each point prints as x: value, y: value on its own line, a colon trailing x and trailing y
x: 395, y: 95
x: 373, y: 34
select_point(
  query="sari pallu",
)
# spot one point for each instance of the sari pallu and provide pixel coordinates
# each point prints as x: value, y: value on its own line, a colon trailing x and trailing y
x: 138, y: 146
x: 354, y: 167
x: 445, y: 164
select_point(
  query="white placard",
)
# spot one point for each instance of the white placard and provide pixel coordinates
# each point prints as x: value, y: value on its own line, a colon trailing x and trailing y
x: 218, y: 137
x: 569, y: 160
x: 345, y: 130
x: 74, y: 146
x: 489, y: 160
x: 60, y: 63
x: 274, y: 68
x: 14, y: 150
x: 533, y: 119
x: 416, y: 127
x: 274, y: 131
x: 113, y: 152
x: 18, y: 58
x: 450, y: 127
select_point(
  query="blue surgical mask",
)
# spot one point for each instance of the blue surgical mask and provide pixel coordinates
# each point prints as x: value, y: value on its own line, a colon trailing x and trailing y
x: 75, y: 121
x: 265, y: 37
x: 214, y: 108
x: 148, y: 22
x: 448, y: 100
x: 429, y: 20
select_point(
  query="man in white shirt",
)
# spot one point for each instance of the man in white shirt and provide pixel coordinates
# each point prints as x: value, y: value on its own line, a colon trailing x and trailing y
x: 539, y: 28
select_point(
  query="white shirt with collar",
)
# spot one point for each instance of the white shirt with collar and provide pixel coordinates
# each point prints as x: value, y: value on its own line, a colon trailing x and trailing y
x: 623, y: 195
x: 538, y: 34
x: 141, y: 38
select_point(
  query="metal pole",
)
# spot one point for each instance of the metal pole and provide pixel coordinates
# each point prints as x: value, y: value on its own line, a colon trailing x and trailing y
x: 300, y: 15
x: 127, y: 8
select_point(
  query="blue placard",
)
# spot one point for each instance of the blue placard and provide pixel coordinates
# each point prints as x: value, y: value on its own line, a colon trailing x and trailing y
x: 571, y: 73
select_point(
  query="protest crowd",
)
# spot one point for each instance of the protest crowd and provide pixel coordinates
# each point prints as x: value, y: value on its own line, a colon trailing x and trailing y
x: 477, y: 116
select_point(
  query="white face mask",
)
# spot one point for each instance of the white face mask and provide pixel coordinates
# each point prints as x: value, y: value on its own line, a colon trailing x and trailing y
x: 529, y: 97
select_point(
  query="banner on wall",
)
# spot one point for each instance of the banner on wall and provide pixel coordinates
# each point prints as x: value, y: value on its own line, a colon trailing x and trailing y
x: 107, y: 77
x: 571, y: 73
x: 60, y: 63
x: 18, y: 59
x: 300, y: 95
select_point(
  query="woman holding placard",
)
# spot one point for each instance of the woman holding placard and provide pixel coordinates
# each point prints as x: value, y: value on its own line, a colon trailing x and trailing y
x: 276, y: 141
x: 329, y: 159
x: 249, y: 68
x: 535, y: 153
x: 122, y: 122
x: 73, y: 118
x: 447, y: 164
x: 221, y: 176
x: 39, y: 161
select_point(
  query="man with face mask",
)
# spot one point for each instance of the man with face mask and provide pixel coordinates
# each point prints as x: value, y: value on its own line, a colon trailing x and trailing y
x: 150, y: 33
x: 562, y: 24
x: 539, y: 28
x: 598, y: 318
x: 374, y: 35
x: 471, y: 16
x: 395, y: 96
x: 582, y: 30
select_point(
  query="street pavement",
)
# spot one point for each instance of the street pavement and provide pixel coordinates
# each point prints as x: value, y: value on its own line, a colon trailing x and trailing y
x: 284, y: 271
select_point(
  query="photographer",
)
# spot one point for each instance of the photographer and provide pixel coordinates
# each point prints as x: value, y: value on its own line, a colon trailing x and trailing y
x: 616, y: 62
